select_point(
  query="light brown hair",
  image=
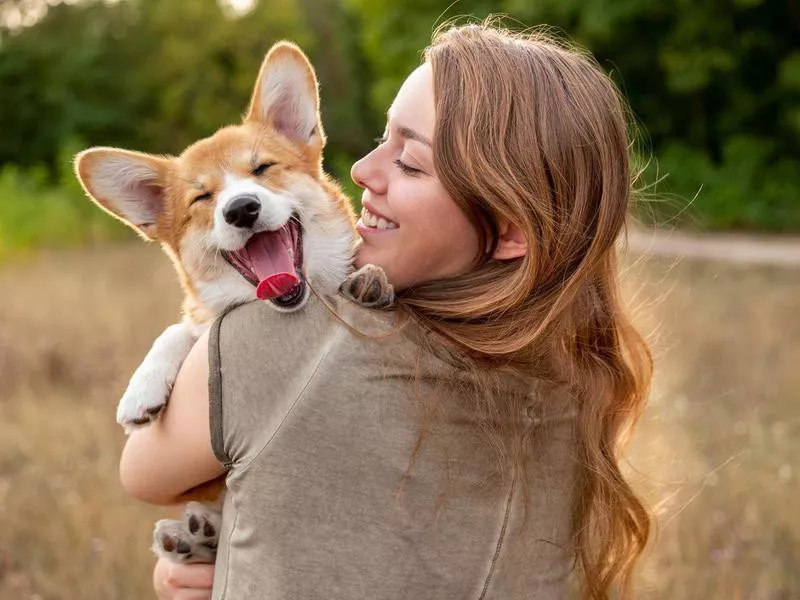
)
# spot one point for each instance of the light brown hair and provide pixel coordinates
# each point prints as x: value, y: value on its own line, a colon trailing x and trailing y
x: 532, y: 131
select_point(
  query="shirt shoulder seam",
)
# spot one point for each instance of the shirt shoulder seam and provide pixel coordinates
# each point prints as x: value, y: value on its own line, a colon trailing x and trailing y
x: 244, y: 466
x: 500, y: 539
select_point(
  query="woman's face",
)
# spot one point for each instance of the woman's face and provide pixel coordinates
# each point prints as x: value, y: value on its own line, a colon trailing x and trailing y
x: 410, y: 226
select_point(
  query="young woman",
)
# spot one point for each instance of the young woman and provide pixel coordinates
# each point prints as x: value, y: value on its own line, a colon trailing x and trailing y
x: 473, y: 452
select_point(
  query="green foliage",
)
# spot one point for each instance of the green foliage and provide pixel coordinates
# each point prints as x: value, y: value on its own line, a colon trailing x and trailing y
x: 716, y: 91
x: 36, y: 211
x: 744, y: 191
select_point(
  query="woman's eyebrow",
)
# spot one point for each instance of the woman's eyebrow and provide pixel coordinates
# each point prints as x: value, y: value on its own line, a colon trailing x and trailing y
x: 410, y: 134
x: 407, y: 132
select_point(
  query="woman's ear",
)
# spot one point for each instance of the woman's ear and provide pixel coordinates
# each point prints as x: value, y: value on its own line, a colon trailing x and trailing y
x: 511, y: 242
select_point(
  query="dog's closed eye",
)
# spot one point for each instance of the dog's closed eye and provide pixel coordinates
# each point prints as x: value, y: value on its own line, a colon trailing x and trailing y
x: 262, y: 168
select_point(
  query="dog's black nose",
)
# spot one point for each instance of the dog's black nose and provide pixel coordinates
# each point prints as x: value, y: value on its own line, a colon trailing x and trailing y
x: 242, y: 211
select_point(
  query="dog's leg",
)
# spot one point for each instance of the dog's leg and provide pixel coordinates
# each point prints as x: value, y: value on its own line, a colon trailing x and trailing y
x: 152, y: 382
x: 192, y: 539
x: 368, y: 287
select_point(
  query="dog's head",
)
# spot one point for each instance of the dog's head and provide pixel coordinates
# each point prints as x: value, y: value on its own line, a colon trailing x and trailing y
x: 247, y: 212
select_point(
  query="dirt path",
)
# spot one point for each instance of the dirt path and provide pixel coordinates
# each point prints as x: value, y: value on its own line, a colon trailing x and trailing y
x: 729, y: 247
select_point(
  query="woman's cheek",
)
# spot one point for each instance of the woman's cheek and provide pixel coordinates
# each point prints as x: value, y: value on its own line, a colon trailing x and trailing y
x: 367, y: 253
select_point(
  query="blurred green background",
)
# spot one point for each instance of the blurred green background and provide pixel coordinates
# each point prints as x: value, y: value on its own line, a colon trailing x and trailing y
x: 714, y: 86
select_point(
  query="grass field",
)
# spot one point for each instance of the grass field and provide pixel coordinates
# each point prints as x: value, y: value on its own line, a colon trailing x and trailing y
x: 716, y: 452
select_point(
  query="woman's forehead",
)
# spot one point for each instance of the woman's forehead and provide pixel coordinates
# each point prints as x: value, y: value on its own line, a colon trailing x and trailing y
x: 414, y: 106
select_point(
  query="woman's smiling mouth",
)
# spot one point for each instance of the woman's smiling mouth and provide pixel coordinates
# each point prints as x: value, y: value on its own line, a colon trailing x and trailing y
x: 371, y: 220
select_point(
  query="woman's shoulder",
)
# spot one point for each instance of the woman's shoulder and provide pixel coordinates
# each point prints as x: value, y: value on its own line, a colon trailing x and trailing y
x: 261, y: 322
x: 257, y: 330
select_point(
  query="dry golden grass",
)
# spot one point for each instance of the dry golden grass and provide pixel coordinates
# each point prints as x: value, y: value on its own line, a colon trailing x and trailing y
x: 72, y: 326
x: 718, y: 445
x: 716, y: 449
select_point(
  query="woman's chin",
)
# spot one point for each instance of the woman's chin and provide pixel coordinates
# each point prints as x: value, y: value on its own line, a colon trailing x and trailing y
x: 363, y: 256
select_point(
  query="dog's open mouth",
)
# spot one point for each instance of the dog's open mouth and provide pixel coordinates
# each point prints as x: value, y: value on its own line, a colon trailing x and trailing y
x: 273, y: 262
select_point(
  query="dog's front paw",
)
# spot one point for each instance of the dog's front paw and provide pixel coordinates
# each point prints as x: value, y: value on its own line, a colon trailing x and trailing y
x: 152, y: 382
x: 144, y: 399
x: 192, y: 539
x: 368, y: 287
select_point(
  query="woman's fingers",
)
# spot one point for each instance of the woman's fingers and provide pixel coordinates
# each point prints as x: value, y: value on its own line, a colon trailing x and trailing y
x: 182, y: 582
x: 195, y: 576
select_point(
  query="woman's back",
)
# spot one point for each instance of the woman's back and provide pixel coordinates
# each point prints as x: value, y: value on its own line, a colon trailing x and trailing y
x: 318, y: 502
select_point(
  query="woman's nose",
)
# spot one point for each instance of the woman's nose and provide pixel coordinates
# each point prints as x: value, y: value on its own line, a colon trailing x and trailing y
x: 366, y: 174
x: 356, y: 172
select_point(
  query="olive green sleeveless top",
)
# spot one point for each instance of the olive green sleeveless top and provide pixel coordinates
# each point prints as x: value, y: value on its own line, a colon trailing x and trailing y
x: 318, y: 427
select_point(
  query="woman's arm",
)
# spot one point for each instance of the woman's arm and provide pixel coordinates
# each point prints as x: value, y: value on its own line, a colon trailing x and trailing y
x: 164, y: 460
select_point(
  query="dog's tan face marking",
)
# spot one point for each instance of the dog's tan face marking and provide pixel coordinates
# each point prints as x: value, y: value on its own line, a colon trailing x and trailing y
x: 274, y: 158
x: 234, y: 151
x: 246, y: 159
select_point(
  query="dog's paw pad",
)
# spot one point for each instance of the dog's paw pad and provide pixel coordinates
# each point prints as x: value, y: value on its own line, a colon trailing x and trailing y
x: 166, y: 542
x: 197, y: 524
x: 143, y: 420
x: 368, y: 287
x: 202, y: 522
x: 144, y: 399
x: 173, y: 540
x: 171, y: 544
x: 194, y: 524
x: 154, y: 411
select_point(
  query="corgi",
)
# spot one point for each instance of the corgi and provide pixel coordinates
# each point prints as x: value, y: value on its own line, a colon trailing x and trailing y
x: 245, y: 214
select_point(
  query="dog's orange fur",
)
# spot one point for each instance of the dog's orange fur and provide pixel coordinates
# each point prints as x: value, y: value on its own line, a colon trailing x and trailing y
x: 234, y: 149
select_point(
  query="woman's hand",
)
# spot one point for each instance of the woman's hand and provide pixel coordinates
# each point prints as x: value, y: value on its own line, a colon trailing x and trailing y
x: 182, y: 582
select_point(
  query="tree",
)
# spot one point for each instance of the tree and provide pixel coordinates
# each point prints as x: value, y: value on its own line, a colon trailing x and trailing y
x: 715, y: 88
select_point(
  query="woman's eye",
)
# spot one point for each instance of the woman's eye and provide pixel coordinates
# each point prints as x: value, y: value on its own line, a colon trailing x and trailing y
x: 405, y: 168
x: 262, y: 168
x: 202, y: 197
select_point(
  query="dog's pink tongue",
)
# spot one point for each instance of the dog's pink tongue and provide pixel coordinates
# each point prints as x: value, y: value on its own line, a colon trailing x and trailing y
x: 272, y: 258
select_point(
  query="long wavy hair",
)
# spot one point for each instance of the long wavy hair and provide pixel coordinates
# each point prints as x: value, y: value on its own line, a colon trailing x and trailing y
x: 532, y: 131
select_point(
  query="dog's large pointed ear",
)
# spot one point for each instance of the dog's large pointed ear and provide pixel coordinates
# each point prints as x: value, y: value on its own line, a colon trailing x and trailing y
x: 286, y: 95
x: 129, y: 185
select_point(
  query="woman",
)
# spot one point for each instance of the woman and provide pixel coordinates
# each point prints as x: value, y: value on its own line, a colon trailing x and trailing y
x: 480, y: 458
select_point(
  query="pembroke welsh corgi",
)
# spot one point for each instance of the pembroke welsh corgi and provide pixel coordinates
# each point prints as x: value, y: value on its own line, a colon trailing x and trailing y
x: 244, y: 214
